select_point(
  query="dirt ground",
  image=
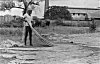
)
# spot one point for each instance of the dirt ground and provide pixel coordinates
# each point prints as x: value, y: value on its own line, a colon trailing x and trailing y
x: 76, y: 49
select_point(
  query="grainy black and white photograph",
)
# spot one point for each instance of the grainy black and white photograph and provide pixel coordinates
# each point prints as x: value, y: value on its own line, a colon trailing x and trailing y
x: 49, y: 31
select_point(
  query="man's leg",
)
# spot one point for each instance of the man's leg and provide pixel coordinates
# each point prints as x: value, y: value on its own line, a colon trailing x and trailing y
x: 30, y: 36
x: 26, y: 34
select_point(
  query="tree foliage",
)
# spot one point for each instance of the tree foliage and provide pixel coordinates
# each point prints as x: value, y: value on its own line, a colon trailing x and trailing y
x: 10, y: 4
x: 7, y: 5
x: 55, y: 12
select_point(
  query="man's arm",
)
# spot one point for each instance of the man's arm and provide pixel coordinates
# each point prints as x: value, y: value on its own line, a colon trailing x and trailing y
x: 24, y: 17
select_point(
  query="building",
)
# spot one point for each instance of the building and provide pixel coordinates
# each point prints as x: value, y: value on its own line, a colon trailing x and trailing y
x: 6, y: 18
x: 79, y: 16
x: 84, y: 13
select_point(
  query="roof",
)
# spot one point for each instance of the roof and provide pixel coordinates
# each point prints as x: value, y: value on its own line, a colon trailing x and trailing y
x: 82, y: 11
x: 83, y: 8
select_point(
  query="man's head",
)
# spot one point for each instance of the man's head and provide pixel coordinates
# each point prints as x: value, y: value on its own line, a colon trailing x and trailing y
x: 29, y: 12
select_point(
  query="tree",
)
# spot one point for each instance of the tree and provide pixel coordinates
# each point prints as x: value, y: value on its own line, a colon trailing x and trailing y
x: 10, y: 4
x: 55, y: 12
x: 7, y: 5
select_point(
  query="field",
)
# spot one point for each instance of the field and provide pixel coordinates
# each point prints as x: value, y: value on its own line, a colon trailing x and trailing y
x: 16, y: 33
x: 85, y: 48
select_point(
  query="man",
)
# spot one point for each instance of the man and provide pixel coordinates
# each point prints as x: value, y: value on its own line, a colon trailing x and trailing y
x: 27, y: 24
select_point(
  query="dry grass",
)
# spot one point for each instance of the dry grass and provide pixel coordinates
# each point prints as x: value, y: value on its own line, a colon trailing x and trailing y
x: 77, y: 23
x: 11, y: 31
x: 15, y: 34
x: 57, y: 29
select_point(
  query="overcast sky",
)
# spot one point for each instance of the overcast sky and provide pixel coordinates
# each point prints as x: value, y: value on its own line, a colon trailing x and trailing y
x: 76, y: 3
x: 71, y: 3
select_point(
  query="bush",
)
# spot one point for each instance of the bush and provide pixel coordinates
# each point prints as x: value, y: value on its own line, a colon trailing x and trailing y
x: 67, y: 24
x: 71, y: 23
x: 11, y: 31
x: 83, y: 24
x: 55, y: 12
x: 13, y: 23
x: 92, y: 26
x: 5, y: 24
x: 58, y: 22
x: 17, y: 23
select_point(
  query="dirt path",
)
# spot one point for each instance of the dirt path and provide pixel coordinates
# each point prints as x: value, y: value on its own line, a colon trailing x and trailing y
x: 84, y: 50
x: 61, y: 54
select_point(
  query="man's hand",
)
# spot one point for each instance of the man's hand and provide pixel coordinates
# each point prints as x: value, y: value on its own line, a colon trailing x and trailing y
x: 23, y: 19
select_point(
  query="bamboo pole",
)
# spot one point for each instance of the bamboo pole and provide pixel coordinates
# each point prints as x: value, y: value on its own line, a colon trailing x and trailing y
x: 45, y: 41
x: 23, y: 33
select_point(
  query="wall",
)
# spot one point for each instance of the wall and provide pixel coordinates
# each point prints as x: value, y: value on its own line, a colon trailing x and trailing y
x: 78, y: 17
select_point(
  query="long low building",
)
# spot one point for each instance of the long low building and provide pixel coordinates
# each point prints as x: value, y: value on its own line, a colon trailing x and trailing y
x: 84, y: 13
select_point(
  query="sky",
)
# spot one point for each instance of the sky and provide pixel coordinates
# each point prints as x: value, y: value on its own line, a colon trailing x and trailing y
x: 76, y: 3
x: 39, y: 11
